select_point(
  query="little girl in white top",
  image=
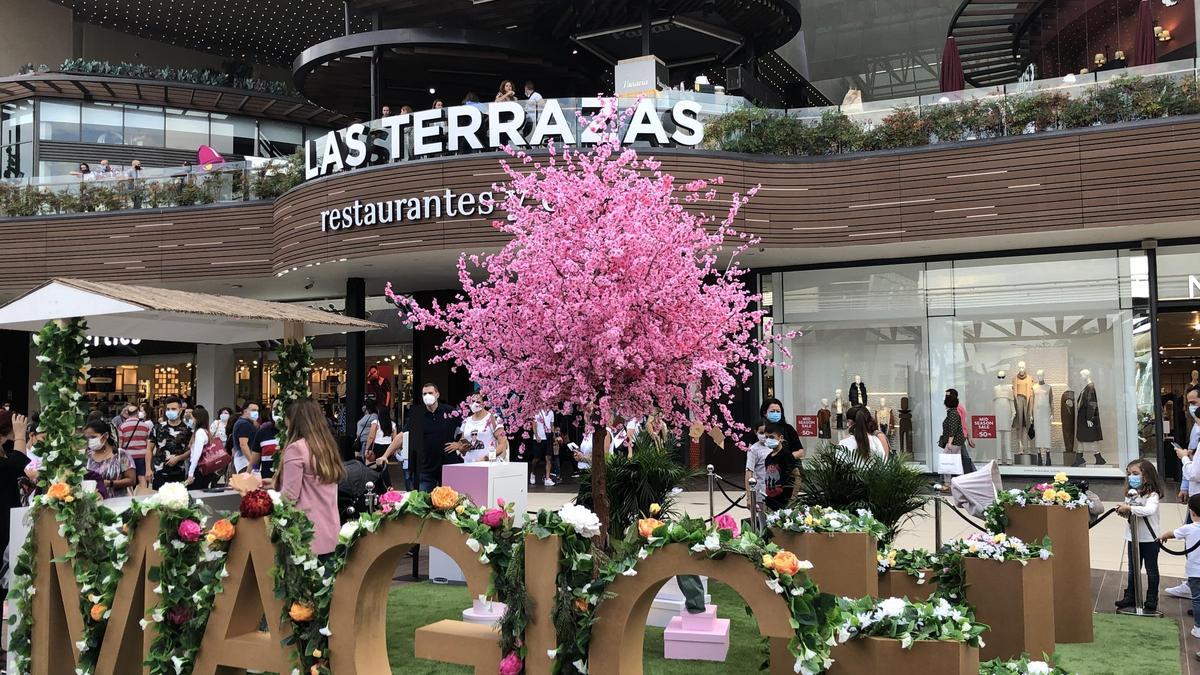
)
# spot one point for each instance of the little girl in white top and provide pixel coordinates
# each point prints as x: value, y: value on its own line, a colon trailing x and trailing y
x: 1142, y: 478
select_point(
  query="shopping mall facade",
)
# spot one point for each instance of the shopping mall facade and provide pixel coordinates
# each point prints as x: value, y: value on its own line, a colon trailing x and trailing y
x: 1071, y: 255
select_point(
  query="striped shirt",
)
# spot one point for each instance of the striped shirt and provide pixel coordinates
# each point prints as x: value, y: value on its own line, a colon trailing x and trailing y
x: 132, y: 436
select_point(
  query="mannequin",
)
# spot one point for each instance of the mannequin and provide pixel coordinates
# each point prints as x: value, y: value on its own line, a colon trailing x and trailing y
x: 1066, y: 413
x: 839, y: 409
x: 906, y: 428
x: 858, y: 392
x: 884, y: 418
x: 1087, y: 418
x: 823, y: 420
x: 1022, y: 386
x: 1043, y: 394
x: 1002, y: 400
x: 1195, y: 382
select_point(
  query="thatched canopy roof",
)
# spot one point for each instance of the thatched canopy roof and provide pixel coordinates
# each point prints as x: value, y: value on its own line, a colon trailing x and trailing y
x: 149, y: 313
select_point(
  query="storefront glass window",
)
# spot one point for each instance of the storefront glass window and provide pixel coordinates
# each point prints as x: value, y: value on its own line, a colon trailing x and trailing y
x: 16, y: 161
x: 281, y: 138
x: 144, y: 126
x: 186, y: 130
x: 16, y: 122
x: 102, y: 123
x: 1179, y: 273
x: 232, y: 135
x: 59, y: 121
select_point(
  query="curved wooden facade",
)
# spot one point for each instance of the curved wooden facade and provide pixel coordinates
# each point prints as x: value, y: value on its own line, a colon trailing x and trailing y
x: 1142, y: 174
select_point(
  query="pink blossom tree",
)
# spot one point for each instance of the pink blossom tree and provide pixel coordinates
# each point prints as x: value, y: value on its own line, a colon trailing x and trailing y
x: 617, y: 294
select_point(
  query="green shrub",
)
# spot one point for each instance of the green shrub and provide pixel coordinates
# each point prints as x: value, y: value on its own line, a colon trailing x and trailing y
x: 889, y: 488
x: 634, y: 483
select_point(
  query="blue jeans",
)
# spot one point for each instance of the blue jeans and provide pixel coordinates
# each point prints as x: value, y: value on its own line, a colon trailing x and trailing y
x: 429, y: 480
x: 1194, y: 585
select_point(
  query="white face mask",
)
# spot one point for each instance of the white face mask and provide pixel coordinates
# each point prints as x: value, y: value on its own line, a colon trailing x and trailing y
x: 224, y: 417
x: 95, y: 443
x: 429, y: 399
x: 475, y: 407
x: 771, y: 443
x: 141, y: 414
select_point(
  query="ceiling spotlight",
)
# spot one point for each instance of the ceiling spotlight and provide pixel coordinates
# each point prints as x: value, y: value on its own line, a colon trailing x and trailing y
x: 308, y: 283
x: 574, y: 51
x: 432, y: 90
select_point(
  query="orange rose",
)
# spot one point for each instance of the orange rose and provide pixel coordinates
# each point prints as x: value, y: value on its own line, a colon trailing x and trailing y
x: 222, y: 530
x: 59, y: 491
x: 301, y: 612
x: 98, y: 611
x: 581, y: 604
x: 444, y: 498
x: 786, y: 562
x: 647, y: 526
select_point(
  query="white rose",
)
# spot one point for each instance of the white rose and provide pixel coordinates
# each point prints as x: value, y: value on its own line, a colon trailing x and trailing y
x: 1038, y: 668
x: 892, y: 606
x: 275, y: 496
x: 348, y: 530
x: 581, y: 519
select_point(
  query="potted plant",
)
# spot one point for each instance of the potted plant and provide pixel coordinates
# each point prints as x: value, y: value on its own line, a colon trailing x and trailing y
x: 898, y: 636
x: 907, y: 573
x: 1021, y: 666
x: 1058, y: 510
x: 1009, y: 584
x: 890, y: 488
x: 841, y: 546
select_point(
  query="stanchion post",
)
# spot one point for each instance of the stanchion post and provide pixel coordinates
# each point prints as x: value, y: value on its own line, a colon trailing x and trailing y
x: 712, y: 509
x: 753, y: 496
x: 937, y: 522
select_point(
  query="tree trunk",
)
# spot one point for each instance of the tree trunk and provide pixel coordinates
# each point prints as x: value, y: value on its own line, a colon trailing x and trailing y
x: 600, y: 484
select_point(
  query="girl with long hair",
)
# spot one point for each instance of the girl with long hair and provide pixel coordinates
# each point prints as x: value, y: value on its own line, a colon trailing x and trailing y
x: 862, y: 442
x: 310, y: 470
x: 1145, y: 490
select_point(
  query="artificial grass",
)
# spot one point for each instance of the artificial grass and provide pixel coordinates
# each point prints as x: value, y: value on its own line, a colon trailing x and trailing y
x: 1123, y: 645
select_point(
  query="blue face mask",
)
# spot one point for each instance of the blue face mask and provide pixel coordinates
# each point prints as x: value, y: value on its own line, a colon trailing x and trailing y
x: 172, y: 415
x: 771, y: 443
x: 1135, y: 482
x: 774, y: 416
x: 254, y: 414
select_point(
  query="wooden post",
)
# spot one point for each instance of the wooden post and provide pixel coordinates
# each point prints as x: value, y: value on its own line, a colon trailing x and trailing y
x: 293, y: 331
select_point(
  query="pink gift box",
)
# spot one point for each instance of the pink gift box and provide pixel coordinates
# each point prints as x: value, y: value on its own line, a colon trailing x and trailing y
x: 701, y: 622
x: 709, y: 643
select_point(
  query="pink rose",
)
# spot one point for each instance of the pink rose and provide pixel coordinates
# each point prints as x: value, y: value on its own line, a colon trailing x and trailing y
x: 493, y: 517
x: 190, y: 531
x: 511, y: 664
x: 726, y: 522
x: 391, y: 499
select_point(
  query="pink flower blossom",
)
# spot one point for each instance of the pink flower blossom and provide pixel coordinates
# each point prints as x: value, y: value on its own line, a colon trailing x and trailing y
x: 727, y: 522
x: 511, y: 664
x: 190, y: 531
x: 630, y: 295
x: 391, y: 499
x: 493, y: 517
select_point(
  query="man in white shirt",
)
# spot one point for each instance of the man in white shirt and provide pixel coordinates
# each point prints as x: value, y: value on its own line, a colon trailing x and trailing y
x: 1190, y: 483
x: 531, y: 93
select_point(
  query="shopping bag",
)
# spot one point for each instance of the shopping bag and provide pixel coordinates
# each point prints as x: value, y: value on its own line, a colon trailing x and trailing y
x: 950, y: 463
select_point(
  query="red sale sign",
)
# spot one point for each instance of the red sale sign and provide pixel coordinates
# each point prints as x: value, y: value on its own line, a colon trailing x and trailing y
x: 983, y: 426
x: 806, y: 425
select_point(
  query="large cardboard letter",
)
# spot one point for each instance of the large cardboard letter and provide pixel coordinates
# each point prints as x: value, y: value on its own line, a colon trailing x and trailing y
x: 541, y: 585
x: 126, y: 645
x: 232, y: 641
x: 57, y: 623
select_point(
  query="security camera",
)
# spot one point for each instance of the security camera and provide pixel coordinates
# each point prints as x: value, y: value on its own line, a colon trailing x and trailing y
x: 308, y: 283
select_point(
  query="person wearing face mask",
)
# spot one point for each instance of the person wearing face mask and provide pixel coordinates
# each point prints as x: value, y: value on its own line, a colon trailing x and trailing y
x: 772, y: 412
x: 110, y: 464
x: 132, y: 437
x: 483, y: 437
x: 222, y: 426
x: 756, y: 461
x: 242, y: 437
x: 168, y: 448
x: 776, y: 488
x: 1190, y: 483
x: 265, y: 443
x: 430, y: 425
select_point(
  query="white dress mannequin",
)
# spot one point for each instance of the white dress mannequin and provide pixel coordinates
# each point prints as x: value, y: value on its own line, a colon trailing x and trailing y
x: 1043, y: 396
x: 1002, y: 400
x: 884, y: 418
x: 839, y: 409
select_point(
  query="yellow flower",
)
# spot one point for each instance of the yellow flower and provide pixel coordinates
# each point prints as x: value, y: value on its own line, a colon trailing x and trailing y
x: 316, y: 653
x: 999, y: 538
x: 1060, y: 478
x: 1049, y: 495
x: 972, y: 548
x: 655, y: 509
x: 768, y: 561
x: 809, y: 520
x: 891, y: 557
x: 1064, y: 496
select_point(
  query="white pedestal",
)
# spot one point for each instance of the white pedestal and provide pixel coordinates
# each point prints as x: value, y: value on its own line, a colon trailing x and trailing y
x: 669, y: 603
x: 484, y: 483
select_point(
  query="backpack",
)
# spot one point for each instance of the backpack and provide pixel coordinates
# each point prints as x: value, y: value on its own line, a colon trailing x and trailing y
x: 213, y: 458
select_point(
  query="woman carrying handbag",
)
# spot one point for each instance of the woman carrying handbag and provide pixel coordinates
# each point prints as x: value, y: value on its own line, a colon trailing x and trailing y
x: 953, y: 442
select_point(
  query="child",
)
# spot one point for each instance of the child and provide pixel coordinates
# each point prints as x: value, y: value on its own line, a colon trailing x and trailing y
x: 1190, y: 534
x: 1142, y: 477
x: 756, y: 466
x: 778, y: 466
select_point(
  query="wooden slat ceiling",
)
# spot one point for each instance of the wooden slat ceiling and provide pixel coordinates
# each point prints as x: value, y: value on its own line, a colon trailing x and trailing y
x: 178, y: 94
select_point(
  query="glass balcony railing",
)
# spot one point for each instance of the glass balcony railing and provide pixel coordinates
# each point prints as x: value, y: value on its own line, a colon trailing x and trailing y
x: 94, y: 191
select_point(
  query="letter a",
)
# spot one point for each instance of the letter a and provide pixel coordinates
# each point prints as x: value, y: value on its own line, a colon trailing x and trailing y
x: 232, y: 638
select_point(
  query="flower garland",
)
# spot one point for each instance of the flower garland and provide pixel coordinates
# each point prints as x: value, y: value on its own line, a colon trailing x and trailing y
x: 1059, y: 492
x: 909, y: 622
x: 811, y: 519
x: 189, y: 578
x: 62, y: 354
x: 913, y: 562
x: 292, y: 373
x: 574, y: 603
x: 951, y: 577
x: 1021, y: 666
